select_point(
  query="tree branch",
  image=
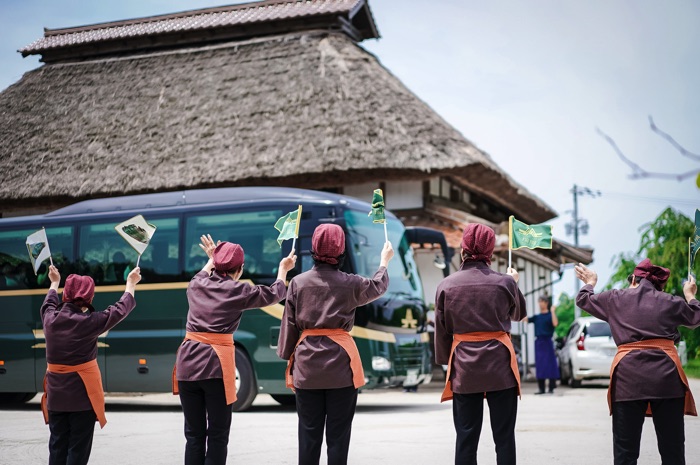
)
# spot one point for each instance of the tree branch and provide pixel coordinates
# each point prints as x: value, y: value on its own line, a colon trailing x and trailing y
x: 672, y: 141
x: 637, y: 171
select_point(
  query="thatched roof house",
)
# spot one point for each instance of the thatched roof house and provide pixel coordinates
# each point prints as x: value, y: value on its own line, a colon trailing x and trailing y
x: 277, y: 92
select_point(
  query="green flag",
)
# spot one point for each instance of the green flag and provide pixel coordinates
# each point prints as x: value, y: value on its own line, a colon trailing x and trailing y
x: 536, y: 236
x: 377, y: 212
x: 288, y: 226
x: 695, y: 240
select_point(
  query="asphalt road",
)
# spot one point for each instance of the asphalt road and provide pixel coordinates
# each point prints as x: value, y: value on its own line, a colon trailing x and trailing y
x: 390, y: 428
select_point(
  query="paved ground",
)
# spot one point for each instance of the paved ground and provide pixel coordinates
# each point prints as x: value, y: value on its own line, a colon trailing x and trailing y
x: 390, y: 428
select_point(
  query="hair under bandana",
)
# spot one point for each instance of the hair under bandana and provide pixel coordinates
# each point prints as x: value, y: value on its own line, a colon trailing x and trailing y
x: 658, y: 275
x: 328, y: 243
x: 478, y: 241
x: 228, y: 256
x: 79, y: 290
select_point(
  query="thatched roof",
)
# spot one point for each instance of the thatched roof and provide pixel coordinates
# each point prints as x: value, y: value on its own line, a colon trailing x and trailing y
x: 206, y: 25
x: 305, y: 109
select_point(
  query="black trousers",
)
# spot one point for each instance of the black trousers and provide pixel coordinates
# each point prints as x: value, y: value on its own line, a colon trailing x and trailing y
x: 71, y: 437
x: 207, y: 421
x: 468, y: 415
x: 628, y: 419
x: 552, y: 384
x: 333, y: 409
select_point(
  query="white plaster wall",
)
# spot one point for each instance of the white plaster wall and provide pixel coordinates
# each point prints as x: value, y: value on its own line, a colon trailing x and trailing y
x: 361, y: 191
x: 401, y: 195
x: 429, y: 274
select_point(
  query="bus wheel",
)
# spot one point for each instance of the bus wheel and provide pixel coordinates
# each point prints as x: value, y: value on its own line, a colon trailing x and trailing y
x: 285, y: 399
x: 16, y: 397
x: 246, y: 386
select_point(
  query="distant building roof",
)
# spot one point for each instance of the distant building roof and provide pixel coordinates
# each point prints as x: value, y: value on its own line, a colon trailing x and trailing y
x: 206, y: 25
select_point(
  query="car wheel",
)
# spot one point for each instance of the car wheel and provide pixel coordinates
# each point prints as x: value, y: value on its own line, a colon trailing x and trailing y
x: 575, y: 383
x: 285, y: 399
x: 246, y: 385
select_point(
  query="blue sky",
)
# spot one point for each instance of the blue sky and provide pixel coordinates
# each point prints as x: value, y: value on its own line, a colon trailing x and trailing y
x: 527, y: 82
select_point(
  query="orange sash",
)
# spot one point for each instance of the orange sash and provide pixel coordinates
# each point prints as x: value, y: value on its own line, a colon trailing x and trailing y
x: 223, y: 346
x: 500, y: 336
x: 344, y: 340
x: 92, y: 379
x: 662, y: 344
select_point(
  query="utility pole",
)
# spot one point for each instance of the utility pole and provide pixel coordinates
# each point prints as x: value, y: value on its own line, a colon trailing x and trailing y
x: 578, y: 225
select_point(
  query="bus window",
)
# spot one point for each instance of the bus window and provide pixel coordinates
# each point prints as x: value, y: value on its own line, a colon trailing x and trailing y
x: 306, y: 261
x: 108, y: 259
x: 253, y: 230
x: 367, y: 240
x: 160, y: 262
x: 15, y: 268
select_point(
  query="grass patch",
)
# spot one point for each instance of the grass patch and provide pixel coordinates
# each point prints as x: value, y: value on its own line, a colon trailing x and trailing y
x: 692, y: 369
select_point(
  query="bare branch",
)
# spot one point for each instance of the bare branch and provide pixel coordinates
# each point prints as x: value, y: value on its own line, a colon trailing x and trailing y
x: 672, y: 141
x: 637, y: 171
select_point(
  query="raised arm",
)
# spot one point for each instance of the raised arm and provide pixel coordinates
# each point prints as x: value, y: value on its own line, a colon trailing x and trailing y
x: 586, y: 298
x: 51, y: 301
x: 387, y: 254
x: 369, y: 290
x: 286, y: 265
x: 692, y: 311
x: 555, y: 319
x: 132, y: 280
x: 112, y: 315
x: 207, y: 244
x: 54, y: 277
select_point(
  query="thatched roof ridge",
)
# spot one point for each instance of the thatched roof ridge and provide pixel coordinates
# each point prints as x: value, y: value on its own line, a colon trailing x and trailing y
x: 307, y: 110
x: 205, y: 25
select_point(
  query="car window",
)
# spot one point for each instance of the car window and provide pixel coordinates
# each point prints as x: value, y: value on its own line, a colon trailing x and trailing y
x: 573, y: 330
x: 598, y: 329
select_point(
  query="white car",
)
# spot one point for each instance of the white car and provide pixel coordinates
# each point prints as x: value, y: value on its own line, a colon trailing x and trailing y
x: 586, y: 352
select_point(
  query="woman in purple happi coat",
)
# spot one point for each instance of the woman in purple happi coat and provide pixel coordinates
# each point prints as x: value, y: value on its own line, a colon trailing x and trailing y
x: 646, y: 374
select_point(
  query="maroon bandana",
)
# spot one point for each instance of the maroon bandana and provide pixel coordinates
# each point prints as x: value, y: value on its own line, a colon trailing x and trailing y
x: 328, y: 243
x: 228, y: 256
x: 478, y: 241
x: 79, y: 290
x: 658, y: 275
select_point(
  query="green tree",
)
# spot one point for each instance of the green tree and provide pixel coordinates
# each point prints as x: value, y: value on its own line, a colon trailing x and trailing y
x: 565, y: 314
x: 664, y: 241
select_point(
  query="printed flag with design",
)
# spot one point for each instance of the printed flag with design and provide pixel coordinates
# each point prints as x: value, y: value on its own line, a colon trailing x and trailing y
x: 695, y: 240
x: 377, y: 212
x: 137, y: 232
x: 536, y: 236
x: 38, y: 248
x: 288, y: 226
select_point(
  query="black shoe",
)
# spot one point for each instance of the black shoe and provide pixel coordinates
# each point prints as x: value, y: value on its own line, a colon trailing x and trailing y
x: 539, y: 393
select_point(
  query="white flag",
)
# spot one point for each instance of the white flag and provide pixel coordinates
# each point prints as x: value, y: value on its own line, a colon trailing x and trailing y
x: 136, y: 232
x: 38, y: 248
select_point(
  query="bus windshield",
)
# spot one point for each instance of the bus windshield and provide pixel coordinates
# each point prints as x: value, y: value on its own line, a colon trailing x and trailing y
x: 367, y: 239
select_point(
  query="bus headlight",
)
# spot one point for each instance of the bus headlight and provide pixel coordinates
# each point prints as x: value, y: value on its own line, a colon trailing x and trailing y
x: 380, y: 363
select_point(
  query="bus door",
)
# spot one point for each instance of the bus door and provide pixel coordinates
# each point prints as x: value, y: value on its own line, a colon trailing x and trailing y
x: 139, y: 352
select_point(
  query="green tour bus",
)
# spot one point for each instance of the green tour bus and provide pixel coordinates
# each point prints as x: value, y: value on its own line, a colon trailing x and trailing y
x: 138, y: 354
